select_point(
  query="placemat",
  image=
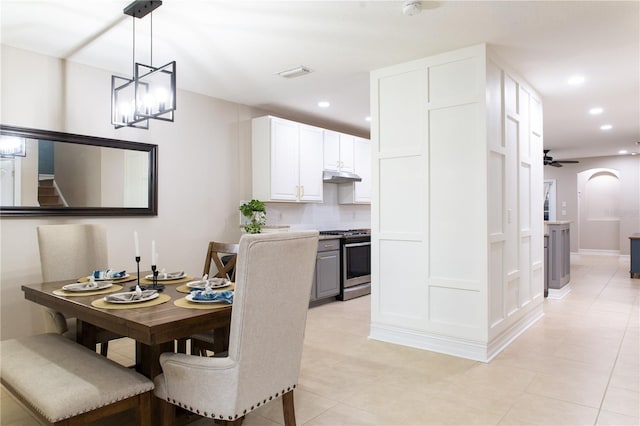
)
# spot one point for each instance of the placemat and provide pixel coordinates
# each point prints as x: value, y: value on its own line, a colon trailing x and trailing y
x: 182, y: 280
x: 184, y: 303
x: 187, y: 290
x: 131, y: 277
x: 113, y: 288
x: 100, y: 303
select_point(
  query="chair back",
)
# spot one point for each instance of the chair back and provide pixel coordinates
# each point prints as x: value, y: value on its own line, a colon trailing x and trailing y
x: 216, y: 252
x: 71, y: 251
x: 273, y: 283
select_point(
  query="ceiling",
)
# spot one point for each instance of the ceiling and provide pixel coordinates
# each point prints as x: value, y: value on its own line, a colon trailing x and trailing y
x: 233, y: 50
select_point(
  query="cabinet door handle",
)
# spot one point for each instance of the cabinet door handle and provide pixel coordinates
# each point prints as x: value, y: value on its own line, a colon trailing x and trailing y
x: 302, y: 191
x: 297, y: 191
x: 328, y: 245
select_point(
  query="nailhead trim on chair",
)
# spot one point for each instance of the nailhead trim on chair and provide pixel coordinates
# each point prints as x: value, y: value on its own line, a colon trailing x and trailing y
x: 234, y: 417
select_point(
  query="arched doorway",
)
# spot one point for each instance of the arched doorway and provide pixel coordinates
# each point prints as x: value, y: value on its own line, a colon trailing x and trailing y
x: 599, y: 210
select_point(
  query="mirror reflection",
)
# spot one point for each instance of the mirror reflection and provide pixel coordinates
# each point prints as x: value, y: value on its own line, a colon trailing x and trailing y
x: 49, y: 172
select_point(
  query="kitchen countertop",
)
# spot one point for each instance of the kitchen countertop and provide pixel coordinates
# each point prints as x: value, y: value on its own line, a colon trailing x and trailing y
x: 329, y: 237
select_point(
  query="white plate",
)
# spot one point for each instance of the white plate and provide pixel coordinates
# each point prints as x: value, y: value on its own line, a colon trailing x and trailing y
x: 109, y: 279
x: 83, y: 286
x: 190, y: 298
x: 213, y: 283
x: 169, y: 276
x: 143, y: 299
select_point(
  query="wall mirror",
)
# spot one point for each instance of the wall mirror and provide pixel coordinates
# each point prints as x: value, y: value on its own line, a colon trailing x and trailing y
x: 45, y: 173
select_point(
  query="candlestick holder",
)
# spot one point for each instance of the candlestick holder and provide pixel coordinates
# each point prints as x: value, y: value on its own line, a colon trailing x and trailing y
x: 156, y: 286
x: 138, y: 270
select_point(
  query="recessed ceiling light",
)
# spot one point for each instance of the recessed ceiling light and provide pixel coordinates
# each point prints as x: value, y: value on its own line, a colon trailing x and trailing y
x: 324, y: 104
x: 606, y: 127
x: 595, y: 111
x: 623, y: 151
x: 575, y: 80
x: 367, y: 119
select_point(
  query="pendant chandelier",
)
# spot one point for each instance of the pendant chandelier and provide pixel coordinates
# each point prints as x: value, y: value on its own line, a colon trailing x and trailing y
x: 151, y: 93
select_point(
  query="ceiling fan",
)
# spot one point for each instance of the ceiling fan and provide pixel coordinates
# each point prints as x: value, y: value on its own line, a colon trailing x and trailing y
x: 549, y: 161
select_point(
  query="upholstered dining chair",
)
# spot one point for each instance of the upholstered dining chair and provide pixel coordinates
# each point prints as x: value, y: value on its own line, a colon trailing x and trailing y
x: 223, y: 256
x: 273, y: 282
x: 68, y: 252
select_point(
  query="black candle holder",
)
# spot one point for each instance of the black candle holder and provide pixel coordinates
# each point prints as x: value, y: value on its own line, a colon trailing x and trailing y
x: 138, y: 268
x: 156, y: 286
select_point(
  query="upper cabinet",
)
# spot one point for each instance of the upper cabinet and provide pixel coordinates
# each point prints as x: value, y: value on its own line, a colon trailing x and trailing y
x: 358, y: 192
x: 287, y: 160
x: 338, y: 151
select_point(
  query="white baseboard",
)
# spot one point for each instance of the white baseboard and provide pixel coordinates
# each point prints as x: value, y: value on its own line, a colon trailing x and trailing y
x: 559, y: 293
x: 462, y: 348
x: 592, y: 252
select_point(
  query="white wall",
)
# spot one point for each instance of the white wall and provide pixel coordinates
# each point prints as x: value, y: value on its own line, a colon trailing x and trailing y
x: 628, y: 168
x: 204, y: 171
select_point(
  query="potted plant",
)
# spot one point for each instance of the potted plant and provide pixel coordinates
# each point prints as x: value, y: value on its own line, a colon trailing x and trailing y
x: 256, y: 215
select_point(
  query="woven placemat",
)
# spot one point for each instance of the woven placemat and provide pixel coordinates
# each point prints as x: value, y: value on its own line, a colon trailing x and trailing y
x: 182, y: 280
x: 184, y: 303
x: 100, y: 303
x: 187, y: 290
x: 112, y: 289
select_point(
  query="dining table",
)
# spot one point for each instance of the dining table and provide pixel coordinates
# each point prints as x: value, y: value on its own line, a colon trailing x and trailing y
x: 155, y: 329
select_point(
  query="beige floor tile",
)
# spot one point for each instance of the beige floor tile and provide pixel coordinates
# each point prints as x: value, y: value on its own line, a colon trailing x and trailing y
x: 626, y: 374
x: 13, y: 413
x: 607, y: 418
x: 588, y: 390
x: 622, y: 401
x: 537, y: 410
x: 344, y: 415
x: 307, y: 407
x: 444, y: 411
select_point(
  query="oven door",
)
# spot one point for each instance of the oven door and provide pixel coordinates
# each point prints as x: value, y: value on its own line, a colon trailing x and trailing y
x: 356, y: 258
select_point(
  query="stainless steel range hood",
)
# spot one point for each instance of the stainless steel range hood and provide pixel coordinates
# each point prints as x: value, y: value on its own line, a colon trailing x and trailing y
x: 331, y: 176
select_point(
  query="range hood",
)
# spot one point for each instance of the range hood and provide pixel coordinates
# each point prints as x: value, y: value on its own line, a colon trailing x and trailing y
x: 331, y: 176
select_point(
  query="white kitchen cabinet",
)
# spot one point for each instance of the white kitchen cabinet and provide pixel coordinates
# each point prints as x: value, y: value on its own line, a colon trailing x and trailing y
x: 338, y: 151
x: 287, y: 160
x: 358, y: 192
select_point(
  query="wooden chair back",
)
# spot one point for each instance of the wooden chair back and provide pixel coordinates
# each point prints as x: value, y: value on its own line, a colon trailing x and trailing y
x: 215, y: 252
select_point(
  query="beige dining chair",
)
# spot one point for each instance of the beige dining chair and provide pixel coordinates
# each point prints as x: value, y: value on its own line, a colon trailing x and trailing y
x: 273, y: 282
x: 69, y: 252
x: 223, y: 257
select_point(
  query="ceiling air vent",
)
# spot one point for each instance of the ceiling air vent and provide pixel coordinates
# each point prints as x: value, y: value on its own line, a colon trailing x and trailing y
x: 295, y: 72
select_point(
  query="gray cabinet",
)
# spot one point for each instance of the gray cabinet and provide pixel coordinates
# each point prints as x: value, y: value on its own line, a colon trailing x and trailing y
x: 559, y: 254
x: 634, y: 252
x: 326, y: 281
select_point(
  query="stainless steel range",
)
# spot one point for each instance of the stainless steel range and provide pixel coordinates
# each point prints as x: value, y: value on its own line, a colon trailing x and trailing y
x: 355, y: 263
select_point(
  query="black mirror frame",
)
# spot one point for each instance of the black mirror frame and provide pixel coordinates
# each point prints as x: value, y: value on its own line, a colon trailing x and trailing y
x: 151, y: 210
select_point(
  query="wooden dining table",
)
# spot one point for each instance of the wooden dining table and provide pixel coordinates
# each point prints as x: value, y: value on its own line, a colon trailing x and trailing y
x: 154, y: 328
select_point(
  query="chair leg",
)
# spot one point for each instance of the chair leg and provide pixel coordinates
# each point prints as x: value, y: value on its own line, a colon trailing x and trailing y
x: 104, y: 348
x: 288, y: 409
x: 143, y: 413
x: 167, y: 413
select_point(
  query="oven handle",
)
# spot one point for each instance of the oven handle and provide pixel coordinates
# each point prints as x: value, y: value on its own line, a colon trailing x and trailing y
x: 348, y: 245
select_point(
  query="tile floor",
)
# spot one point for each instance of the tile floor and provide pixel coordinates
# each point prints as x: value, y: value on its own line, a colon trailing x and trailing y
x: 578, y: 365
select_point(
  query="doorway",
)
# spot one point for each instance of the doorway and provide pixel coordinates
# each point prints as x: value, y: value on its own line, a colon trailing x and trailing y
x: 599, y: 210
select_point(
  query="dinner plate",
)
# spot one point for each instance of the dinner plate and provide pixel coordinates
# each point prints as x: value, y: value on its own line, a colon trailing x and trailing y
x: 213, y: 283
x: 109, y: 279
x: 170, y: 276
x: 190, y: 298
x: 83, y: 286
x: 142, y: 299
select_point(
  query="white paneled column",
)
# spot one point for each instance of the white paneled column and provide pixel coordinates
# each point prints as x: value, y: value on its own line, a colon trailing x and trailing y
x: 456, y: 171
